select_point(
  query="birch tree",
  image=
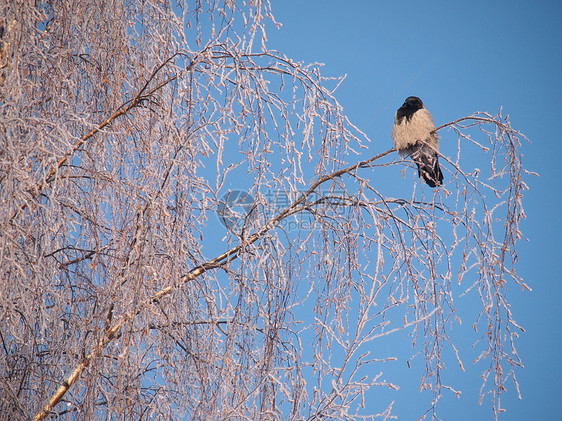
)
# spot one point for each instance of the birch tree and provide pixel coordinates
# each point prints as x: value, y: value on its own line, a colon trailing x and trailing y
x: 191, y: 228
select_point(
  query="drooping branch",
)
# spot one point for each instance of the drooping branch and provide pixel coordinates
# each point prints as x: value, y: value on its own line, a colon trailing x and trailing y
x: 113, y: 331
x: 141, y: 96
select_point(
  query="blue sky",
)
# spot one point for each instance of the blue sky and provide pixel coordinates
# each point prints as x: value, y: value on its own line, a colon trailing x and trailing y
x: 460, y: 57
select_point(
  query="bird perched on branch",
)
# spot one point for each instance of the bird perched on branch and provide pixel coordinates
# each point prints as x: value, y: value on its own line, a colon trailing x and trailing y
x: 413, y: 136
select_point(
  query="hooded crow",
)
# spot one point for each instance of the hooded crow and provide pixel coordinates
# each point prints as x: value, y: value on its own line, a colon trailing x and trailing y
x: 413, y: 136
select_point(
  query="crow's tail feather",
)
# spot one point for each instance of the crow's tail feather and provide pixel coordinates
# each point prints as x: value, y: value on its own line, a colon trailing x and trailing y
x: 428, y: 167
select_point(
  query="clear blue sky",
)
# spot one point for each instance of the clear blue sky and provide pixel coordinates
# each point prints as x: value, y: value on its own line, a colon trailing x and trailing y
x: 461, y: 57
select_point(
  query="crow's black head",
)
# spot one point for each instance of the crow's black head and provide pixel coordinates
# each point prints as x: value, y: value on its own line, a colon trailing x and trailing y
x: 410, y: 106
